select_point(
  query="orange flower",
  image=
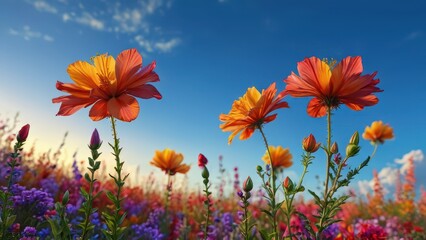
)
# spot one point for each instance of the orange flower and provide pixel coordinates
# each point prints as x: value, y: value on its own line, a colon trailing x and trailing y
x: 170, y: 162
x: 110, y: 85
x: 281, y: 157
x: 378, y: 132
x: 251, y: 111
x: 331, y: 86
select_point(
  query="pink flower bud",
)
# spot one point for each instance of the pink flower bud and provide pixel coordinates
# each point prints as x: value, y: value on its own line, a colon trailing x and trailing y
x: 23, y: 133
x: 202, y: 160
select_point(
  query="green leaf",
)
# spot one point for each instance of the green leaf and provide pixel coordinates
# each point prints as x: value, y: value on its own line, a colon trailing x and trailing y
x: 111, y: 196
x: 264, y: 234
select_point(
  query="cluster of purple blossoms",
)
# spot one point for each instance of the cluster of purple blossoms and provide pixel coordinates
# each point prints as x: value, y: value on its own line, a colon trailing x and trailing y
x: 150, y: 230
x: 33, y: 203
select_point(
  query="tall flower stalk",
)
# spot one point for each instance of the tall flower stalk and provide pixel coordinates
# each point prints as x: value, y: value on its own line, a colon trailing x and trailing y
x: 7, y: 218
x: 115, y: 220
x: 87, y: 205
x: 331, y: 85
x: 247, y: 114
x: 271, y: 190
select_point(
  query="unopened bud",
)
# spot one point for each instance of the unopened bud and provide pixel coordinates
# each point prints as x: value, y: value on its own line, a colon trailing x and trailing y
x: 334, y: 148
x: 288, y: 184
x: 205, y: 174
x: 355, y: 138
x: 259, y: 168
x: 248, y: 185
x: 309, y: 144
x: 352, y: 150
x: 23, y: 133
x: 95, y: 141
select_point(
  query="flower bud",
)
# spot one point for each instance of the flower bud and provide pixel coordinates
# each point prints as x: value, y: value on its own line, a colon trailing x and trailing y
x: 95, y: 141
x: 287, y: 184
x: 352, y: 150
x: 355, y: 138
x: 259, y: 168
x: 205, y: 174
x: 202, y: 160
x: 248, y: 185
x: 23, y: 133
x: 309, y: 144
x: 240, y: 194
x: 334, y: 148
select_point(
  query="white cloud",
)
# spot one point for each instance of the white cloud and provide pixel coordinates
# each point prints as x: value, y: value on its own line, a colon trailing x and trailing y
x: 29, y: 34
x: 417, y: 156
x: 147, y: 45
x: 364, y: 187
x: 167, y: 46
x: 129, y: 21
x: 44, y: 6
x: 132, y: 18
x: 388, y: 175
x: 87, y: 19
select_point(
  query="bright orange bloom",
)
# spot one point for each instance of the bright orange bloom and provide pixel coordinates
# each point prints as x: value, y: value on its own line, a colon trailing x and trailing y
x: 110, y: 85
x: 331, y: 86
x: 281, y: 157
x: 378, y: 132
x: 170, y: 162
x: 251, y: 111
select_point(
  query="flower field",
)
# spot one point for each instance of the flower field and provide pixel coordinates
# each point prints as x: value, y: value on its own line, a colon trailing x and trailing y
x: 42, y: 198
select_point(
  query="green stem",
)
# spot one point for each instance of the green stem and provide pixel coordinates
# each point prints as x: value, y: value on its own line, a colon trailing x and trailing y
x: 289, y: 202
x: 168, y: 193
x: 207, y: 204
x: 374, y: 151
x: 246, y: 219
x: 119, y: 182
x: 87, y: 211
x: 327, y: 175
x: 272, y: 179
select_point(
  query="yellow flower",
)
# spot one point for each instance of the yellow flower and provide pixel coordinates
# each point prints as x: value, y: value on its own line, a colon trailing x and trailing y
x: 378, y: 132
x: 281, y: 157
x: 251, y: 111
x: 170, y: 162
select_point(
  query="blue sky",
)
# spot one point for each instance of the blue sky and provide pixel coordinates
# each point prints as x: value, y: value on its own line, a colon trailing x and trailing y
x: 208, y: 53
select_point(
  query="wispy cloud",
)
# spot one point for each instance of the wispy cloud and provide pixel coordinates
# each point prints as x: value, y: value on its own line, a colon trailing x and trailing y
x: 413, y: 35
x: 29, y: 34
x: 389, y: 175
x: 43, y: 6
x: 85, y: 19
x: 416, y: 155
x: 132, y: 18
x: 167, y: 46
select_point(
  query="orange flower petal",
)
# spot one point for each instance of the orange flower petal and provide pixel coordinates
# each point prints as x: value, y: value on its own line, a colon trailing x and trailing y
x: 316, y: 72
x: 145, y: 91
x: 73, y: 89
x: 316, y: 108
x: 99, y: 110
x: 128, y: 64
x: 124, y: 108
x: 71, y: 104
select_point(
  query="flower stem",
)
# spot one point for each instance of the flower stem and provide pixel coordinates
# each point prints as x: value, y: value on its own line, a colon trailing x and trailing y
x: 374, y: 151
x: 88, y: 204
x: 117, y: 218
x: 327, y: 175
x: 274, y: 190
